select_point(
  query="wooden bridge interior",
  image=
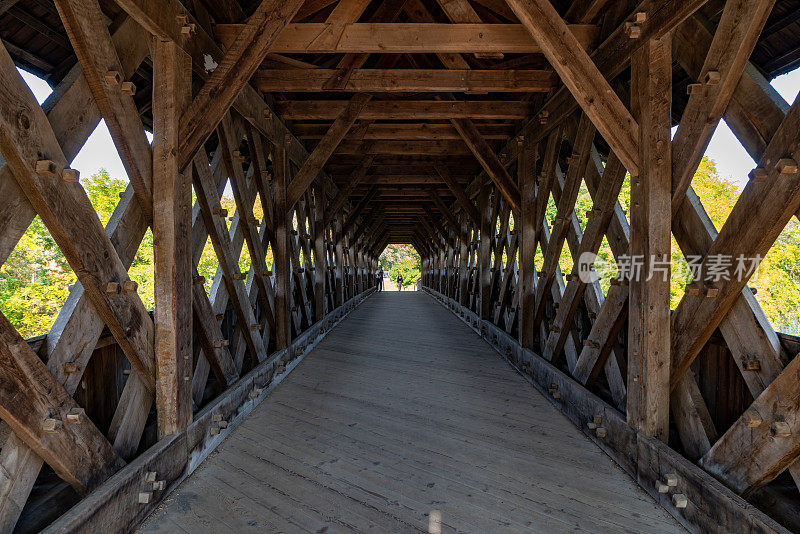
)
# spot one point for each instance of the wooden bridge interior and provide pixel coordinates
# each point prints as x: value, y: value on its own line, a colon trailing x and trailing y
x: 445, y: 124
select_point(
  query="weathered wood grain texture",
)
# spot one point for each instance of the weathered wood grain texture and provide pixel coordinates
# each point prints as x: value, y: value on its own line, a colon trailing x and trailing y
x: 649, y: 296
x: 245, y: 52
x: 172, y: 198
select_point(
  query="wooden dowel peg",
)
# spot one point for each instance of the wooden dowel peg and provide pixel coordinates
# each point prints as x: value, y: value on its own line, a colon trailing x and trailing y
x: 113, y: 77
x: 221, y: 343
x: 712, y: 77
x: 127, y: 88
x: 130, y: 286
x: 751, y: 364
x: 182, y: 19
x: 759, y: 174
x: 45, y: 167
x: 75, y: 415
x: 601, y: 432
x: 255, y: 326
x: 661, y: 487
x: 780, y: 429
x: 671, y: 479
x: 70, y: 367
x: 70, y: 176
x: 199, y: 280
x: 239, y: 276
x: 113, y: 288
x: 159, y: 485
x: 218, y: 210
x: 694, y: 89
x: 150, y: 476
x: 786, y: 166
x: 752, y: 418
x: 679, y: 500
x: 712, y: 292
x: 145, y: 496
x: 51, y: 425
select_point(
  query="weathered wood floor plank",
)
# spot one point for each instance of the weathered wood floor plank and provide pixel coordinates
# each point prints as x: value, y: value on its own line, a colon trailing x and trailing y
x: 399, y: 412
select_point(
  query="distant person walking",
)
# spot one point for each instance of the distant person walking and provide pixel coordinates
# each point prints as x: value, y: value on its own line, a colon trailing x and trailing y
x: 399, y: 282
x: 379, y: 278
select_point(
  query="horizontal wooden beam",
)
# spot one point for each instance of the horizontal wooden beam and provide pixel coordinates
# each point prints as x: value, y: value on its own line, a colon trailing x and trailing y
x: 412, y: 131
x: 405, y: 38
x: 403, y: 148
x: 407, y: 80
x: 407, y: 110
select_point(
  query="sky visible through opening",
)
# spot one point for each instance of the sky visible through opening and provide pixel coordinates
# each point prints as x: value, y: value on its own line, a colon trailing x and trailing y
x: 733, y: 162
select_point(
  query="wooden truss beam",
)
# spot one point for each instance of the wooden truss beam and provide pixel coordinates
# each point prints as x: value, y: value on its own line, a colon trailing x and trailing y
x: 407, y: 80
x: 586, y: 83
x: 407, y: 38
x: 407, y: 110
x: 313, y: 165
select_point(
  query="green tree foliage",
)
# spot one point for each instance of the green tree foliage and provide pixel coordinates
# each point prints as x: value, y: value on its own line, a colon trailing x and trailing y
x: 35, y: 280
x: 403, y: 260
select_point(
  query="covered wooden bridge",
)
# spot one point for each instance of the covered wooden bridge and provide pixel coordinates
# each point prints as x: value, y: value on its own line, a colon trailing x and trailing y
x: 450, y: 125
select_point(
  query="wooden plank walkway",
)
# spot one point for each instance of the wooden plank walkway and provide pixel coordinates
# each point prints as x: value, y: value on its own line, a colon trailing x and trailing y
x: 403, y: 420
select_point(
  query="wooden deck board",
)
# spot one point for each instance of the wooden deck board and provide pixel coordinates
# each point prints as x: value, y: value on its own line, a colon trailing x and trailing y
x: 399, y: 412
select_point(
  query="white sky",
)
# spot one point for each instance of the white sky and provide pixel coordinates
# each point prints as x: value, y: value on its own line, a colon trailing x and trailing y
x: 733, y: 162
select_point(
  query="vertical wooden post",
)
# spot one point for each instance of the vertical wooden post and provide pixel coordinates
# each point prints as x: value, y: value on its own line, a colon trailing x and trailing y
x: 527, y: 250
x: 320, y: 265
x: 280, y: 265
x: 340, y: 281
x: 485, y: 252
x: 172, y: 238
x: 649, y: 315
x: 463, y: 262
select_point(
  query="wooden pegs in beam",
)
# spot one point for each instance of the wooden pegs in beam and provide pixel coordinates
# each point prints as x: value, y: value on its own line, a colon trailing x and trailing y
x: 254, y: 221
x: 591, y: 425
x: 239, y: 276
x: 712, y: 77
x: 130, y: 286
x: 555, y: 329
x: 255, y: 326
x: 712, y: 292
x: 216, y: 418
x: 280, y: 369
x: 219, y: 210
x: 182, y: 19
x: 187, y: 30
x: 679, y: 500
x: 543, y: 116
x: 780, y: 429
x: 633, y: 30
x: 237, y: 155
x: 587, y: 343
x: 70, y: 368
x: 223, y: 424
x: 268, y: 114
x: 145, y: 496
x: 113, y: 288
x: 294, y: 308
x: 255, y: 393
x: 113, y: 77
x: 661, y: 487
x: 294, y: 232
x: 221, y: 343
x: 751, y: 364
x: 693, y: 291
x: 640, y: 17
x: 786, y: 166
x: 220, y: 316
x: 45, y: 167
x: 601, y: 432
x: 150, y: 477
x: 75, y: 416
x: 672, y: 479
x: 199, y: 280
x: 752, y: 418
x: 51, y: 425
x: 759, y: 174
x: 127, y: 88
x: 694, y: 89
x: 70, y: 176
x: 268, y: 273
x: 159, y: 485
